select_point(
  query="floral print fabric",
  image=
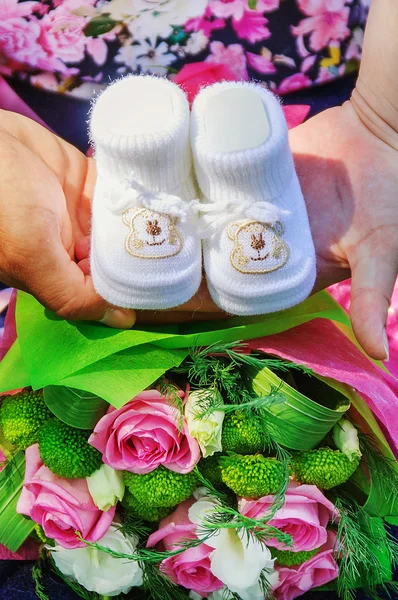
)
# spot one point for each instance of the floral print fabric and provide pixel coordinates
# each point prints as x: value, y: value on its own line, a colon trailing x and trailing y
x: 78, y: 46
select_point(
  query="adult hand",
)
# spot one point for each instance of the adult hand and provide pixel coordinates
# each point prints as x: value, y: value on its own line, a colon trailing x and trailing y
x: 45, y: 187
x: 349, y: 176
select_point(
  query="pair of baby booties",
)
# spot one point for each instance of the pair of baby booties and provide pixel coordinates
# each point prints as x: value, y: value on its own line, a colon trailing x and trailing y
x: 175, y: 184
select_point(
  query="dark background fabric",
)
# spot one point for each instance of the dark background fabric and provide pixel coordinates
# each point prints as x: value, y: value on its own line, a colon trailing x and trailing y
x: 67, y: 116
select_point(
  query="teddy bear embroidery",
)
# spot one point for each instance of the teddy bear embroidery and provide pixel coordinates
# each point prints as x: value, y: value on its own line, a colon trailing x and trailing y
x: 152, y: 234
x: 257, y: 247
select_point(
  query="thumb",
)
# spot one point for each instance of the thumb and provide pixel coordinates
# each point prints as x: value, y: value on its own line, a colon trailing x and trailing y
x: 60, y: 285
x: 373, y: 271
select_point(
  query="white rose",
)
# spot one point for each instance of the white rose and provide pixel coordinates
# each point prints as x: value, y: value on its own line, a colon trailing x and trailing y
x: 238, y: 559
x: 106, y: 487
x: 207, y: 431
x: 345, y: 436
x: 99, y: 572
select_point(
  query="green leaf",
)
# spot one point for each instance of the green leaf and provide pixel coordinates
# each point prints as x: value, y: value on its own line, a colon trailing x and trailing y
x: 252, y: 4
x: 14, y: 528
x: 76, y: 408
x: 298, y: 422
x: 53, y: 349
x: 99, y: 25
x: 13, y: 372
x: 120, y: 377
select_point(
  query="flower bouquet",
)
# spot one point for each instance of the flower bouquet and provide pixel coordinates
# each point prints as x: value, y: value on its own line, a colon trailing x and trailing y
x: 247, y: 458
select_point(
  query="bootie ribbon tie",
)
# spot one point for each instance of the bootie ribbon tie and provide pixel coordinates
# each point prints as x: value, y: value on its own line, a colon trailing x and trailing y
x: 135, y: 195
x: 215, y: 216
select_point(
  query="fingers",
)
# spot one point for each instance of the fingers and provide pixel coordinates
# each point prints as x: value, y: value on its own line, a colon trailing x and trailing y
x: 60, y: 285
x: 374, y: 271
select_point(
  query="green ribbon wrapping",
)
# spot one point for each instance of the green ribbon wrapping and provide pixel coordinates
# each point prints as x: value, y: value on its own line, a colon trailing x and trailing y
x: 52, y: 350
x: 296, y: 421
x: 14, y: 528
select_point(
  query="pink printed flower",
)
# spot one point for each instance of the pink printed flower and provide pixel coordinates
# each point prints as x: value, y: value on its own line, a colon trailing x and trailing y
x: 194, y: 76
x: 293, y: 83
x: 60, y: 506
x: 19, y: 41
x: 318, y: 571
x: 191, y: 568
x: 261, y: 63
x: 327, y: 20
x: 9, y: 9
x: 236, y: 8
x: 205, y: 23
x: 98, y: 50
x: 144, y: 434
x: 304, y: 516
x: 62, y: 35
x: 231, y: 56
x: 251, y: 27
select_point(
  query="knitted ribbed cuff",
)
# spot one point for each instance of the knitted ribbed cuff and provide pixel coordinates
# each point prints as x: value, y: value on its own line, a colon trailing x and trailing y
x: 261, y: 173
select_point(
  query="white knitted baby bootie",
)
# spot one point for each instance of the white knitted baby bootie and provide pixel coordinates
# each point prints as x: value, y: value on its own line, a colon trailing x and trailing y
x: 258, y: 251
x: 145, y: 250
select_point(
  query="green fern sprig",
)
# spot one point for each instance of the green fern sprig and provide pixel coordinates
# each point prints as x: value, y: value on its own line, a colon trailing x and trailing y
x: 170, y: 391
x: 160, y: 587
x: 359, y: 540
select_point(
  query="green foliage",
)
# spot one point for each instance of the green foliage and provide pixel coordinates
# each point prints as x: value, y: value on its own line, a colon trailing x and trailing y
x: 38, y: 578
x: 384, y: 467
x: 287, y: 558
x: 252, y: 476
x: 161, y: 487
x: 22, y: 416
x: 74, y: 407
x: 324, y: 467
x: 159, y: 587
x: 170, y: 391
x: 143, y: 510
x: 365, y: 551
x: 135, y: 527
x: 211, y: 470
x: 66, y: 451
x: 241, y: 434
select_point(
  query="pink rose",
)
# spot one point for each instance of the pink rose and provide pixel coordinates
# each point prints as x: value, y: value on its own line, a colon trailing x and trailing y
x: 191, y: 568
x: 144, y: 434
x: 304, y: 516
x: 194, y: 76
x: 318, y: 571
x: 60, y: 506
